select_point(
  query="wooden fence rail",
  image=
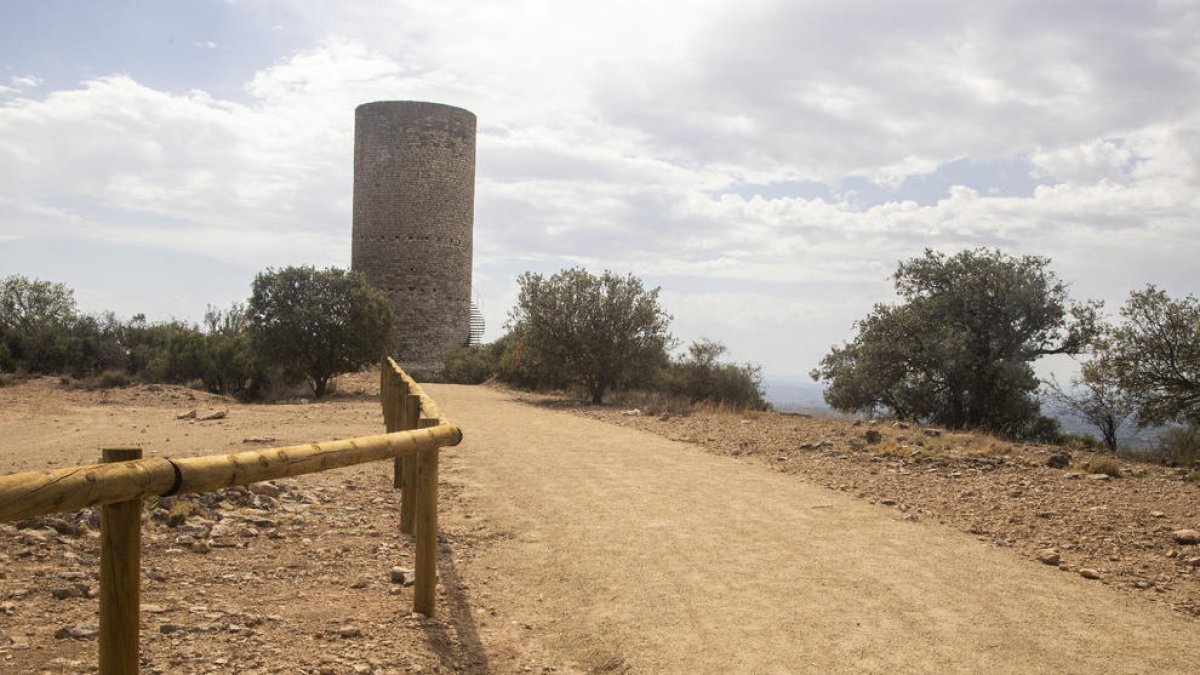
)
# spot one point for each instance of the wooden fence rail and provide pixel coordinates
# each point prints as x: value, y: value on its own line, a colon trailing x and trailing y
x: 125, y: 479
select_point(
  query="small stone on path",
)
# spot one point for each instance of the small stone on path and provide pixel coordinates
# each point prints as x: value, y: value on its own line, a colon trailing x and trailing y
x: 1049, y: 556
x: 1089, y: 573
x: 403, y: 576
x: 1186, y: 537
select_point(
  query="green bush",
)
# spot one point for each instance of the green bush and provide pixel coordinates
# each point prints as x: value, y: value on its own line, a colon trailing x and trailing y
x: 699, y: 376
x: 1180, y: 445
x: 110, y: 379
x: 1048, y: 430
x: 1083, y: 441
x: 1106, y: 467
x: 470, y: 364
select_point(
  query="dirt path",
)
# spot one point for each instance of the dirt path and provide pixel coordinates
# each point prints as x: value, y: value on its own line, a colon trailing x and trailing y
x: 626, y: 552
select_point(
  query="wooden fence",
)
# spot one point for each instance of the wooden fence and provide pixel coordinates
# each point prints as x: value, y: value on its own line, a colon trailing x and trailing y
x: 415, y: 430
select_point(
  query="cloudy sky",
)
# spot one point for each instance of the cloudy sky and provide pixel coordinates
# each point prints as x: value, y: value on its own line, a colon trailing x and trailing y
x: 766, y: 162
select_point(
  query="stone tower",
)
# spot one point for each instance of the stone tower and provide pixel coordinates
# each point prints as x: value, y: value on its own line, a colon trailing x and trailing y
x: 414, y: 203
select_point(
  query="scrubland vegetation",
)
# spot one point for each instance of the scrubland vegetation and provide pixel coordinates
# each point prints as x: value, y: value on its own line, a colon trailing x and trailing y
x: 956, y: 350
x: 300, y: 325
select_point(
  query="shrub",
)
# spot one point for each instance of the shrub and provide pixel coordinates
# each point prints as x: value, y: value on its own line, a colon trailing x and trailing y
x: 700, y: 376
x: 469, y: 365
x: 1180, y: 445
x: 1083, y: 441
x: 1106, y: 467
x: 113, y: 378
x: 1046, y: 430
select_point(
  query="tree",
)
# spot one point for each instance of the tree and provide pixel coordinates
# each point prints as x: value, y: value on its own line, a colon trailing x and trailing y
x: 1155, y: 356
x: 315, y: 324
x: 1097, y: 398
x: 36, y: 318
x: 231, y: 366
x: 958, y: 350
x: 598, y: 331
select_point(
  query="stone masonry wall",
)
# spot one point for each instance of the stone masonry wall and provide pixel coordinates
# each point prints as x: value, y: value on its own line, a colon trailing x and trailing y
x: 414, y: 200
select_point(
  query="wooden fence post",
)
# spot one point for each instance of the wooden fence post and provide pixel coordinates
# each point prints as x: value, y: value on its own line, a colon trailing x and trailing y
x: 394, y: 415
x: 120, y: 563
x: 399, y: 394
x: 426, y: 479
x: 408, y: 465
x: 387, y: 396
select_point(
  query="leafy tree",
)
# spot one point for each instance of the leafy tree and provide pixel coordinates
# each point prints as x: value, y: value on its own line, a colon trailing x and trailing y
x: 318, y: 323
x: 231, y: 366
x: 36, y: 318
x: 958, y: 350
x: 1155, y: 356
x: 1096, y: 398
x: 598, y: 331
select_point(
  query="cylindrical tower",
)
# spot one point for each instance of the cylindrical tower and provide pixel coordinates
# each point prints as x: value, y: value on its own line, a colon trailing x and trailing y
x: 414, y: 204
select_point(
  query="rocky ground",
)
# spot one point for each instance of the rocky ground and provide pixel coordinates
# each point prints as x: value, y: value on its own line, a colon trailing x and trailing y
x: 307, y: 576
x: 1135, y: 530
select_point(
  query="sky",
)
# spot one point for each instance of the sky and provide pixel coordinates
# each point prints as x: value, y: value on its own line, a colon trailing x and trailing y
x: 766, y: 163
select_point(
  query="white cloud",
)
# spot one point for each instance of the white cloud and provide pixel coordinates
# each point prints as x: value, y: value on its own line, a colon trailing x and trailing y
x: 26, y: 81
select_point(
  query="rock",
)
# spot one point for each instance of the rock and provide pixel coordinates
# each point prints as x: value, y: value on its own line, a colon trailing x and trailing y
x: 1058, y: 460
x: 872, y: 436
x: 168, y: 628
x: 361, y: 583
x: 931, y: 432
x: 1098, y: 476
x: 1089, y: 573
x: 80, y: 631
x: 259, y: 439
x: 888, y: 502
x: 1186, y: 537
x: 201, y: 546
x: 265, y: 489
x: 218, y: 415
x: 1157, y: 514
x: 1049, y: 556
x: 1194, y: 562
x: 403, y: 576
x: 189, y: 415
x: 632, y: 412
x: 66, y: 592
x: 349, y: 632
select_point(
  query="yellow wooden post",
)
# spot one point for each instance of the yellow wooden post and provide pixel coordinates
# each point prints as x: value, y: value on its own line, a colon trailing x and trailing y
x: 400, y: 393
x: 408, y: 470
x: 425, y: 588
x: 120, y: 562
x: 387, y: 396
